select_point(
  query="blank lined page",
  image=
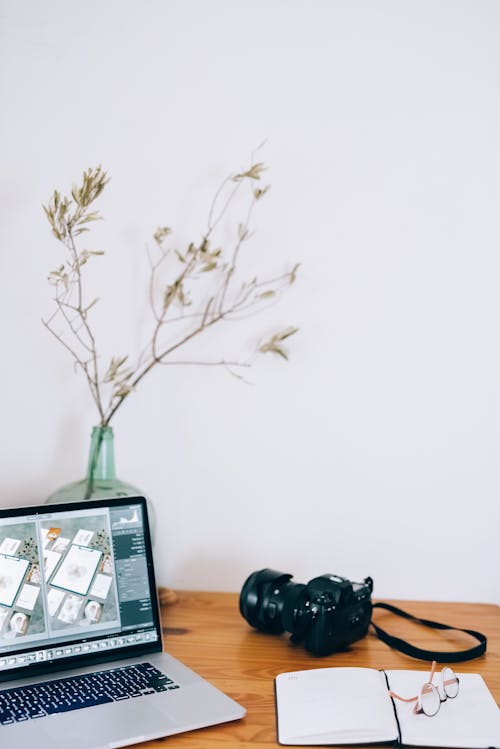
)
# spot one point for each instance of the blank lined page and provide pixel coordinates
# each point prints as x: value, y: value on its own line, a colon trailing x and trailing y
x: 334, y: 705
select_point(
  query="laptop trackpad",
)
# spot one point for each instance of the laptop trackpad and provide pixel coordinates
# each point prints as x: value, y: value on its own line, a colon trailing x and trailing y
x: 128, y: 722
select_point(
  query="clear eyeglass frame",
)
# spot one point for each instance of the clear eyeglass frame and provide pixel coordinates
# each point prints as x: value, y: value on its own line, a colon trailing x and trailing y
x: 432, y: 695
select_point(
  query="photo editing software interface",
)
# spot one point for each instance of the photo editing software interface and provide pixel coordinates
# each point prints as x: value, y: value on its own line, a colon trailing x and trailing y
x: 73, y: 583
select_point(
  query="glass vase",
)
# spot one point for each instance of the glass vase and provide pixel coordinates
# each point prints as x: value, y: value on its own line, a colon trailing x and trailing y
x: 101, y: 481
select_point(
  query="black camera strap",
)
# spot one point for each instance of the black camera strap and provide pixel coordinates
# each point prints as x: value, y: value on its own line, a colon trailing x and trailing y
x: 428, y: 655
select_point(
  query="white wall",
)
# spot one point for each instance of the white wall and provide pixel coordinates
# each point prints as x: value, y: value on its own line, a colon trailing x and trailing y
x: 376, y: 449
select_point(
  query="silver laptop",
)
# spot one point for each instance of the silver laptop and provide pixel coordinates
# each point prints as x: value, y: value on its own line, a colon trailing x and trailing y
x: 81, y: 661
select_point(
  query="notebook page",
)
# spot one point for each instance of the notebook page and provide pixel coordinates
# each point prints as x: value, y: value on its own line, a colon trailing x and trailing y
x: 334, y: 705
x: 470, y: 721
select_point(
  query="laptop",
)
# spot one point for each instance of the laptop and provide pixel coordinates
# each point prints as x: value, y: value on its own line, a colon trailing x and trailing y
x: 81, y: 661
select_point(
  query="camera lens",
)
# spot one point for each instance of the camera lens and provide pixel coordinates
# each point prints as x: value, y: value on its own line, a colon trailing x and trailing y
x: 271, y: 603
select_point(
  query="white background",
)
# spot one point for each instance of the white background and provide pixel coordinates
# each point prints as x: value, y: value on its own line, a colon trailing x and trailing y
x: 375, y: 449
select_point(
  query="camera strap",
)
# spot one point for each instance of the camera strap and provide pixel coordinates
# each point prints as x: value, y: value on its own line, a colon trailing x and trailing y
x: 428, y: 655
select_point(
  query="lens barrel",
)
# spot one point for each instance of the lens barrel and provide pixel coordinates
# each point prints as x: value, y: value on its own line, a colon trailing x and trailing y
x: 261, y: 602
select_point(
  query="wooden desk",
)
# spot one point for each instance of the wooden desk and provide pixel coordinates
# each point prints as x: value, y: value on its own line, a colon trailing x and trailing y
x: 207, y: 633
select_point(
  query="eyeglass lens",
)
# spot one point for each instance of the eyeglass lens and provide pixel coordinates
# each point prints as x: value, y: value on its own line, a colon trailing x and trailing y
x: 430, y: 701
x: 450, y: 682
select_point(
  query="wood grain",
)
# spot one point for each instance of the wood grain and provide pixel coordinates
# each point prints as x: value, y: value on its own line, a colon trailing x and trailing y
x: 207, y: 632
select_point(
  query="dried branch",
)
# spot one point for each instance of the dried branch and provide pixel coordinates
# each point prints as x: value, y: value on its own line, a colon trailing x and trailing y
x: 181, y: 288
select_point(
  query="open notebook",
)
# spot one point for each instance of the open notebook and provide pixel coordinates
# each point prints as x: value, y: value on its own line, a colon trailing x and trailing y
x: 352, y: 706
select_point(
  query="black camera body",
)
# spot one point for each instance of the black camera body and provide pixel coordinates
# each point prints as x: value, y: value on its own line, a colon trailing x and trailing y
x: 326, y: 615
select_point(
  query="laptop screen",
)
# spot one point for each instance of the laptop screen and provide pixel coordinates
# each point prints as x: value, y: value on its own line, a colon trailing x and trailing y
x: 76, y: 585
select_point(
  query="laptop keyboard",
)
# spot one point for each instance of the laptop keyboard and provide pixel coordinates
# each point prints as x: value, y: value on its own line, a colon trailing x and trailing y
x: 73, y: 693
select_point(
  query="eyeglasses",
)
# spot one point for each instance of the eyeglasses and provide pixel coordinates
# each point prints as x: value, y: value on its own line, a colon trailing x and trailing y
x: 430, y: 698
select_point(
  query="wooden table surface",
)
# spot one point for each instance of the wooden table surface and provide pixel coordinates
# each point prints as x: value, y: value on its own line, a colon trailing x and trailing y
x: 207, y: 633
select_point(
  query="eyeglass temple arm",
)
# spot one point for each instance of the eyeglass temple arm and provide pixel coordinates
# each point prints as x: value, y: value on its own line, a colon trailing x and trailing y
x: 446, y: 682
x: 414, y: 699
x: 417, y: 707
x: 433, y: 671
x: 403, y: 699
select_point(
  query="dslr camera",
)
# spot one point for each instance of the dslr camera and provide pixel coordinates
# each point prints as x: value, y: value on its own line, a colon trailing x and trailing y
x: 327, y: 614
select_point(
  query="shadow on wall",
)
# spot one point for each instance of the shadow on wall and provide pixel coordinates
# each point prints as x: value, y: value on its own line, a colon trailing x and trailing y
x: 67, y: 462
x: 220, y: 573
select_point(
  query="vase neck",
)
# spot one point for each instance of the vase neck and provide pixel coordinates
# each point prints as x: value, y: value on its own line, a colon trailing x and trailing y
x: 102, y: 455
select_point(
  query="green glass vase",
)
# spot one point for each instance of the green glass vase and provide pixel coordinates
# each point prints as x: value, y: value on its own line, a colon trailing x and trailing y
x: 101, y: 481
